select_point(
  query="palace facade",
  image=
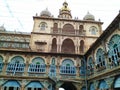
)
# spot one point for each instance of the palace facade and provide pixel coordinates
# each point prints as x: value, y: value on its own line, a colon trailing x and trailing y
x: 61, y: 52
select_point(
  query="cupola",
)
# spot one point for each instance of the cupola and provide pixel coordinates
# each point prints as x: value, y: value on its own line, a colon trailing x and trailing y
x: 45, y: 13
x: 89, y: 16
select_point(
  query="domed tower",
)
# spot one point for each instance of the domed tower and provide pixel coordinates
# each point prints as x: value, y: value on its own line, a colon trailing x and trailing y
x: 89, y: 16
x: 45, y: 13
x: 65, y: 12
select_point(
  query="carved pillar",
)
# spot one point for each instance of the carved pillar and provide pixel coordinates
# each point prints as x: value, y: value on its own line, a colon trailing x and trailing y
x: 24, y: 82
x: 76, y: 49
x: 60, y: 47
x: 47, y: 69
x: 109, y: 82
x: 5, y: 64
x: 57, y: 47
x: 50, y: 47
x: 27, y: 65
x: 48, y: 64
x: 96, y: 85
x: 57, y: 70
x: 78, y: 71
x: 4, y: 68
x: 58, y: 66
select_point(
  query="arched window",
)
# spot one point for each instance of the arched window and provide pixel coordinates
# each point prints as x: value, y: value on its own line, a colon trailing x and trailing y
x: 68, y: 46
x: 55, y: 28
x: 100, y: 59
x: 16, y: 65
x: 67, y: 67
x: 43, y: 26
x: 52, y: 71
x: 92, y: 86
x: 54, y: 45
x: 37, y: 66
x: 114, y: 50
x: 81, y: 29
x: 93, y: 30
x: 117, y: 83
x: 90, y: 65
x: 103, y: 85
x: 1, y: 63
x: 68, y: 29
x: 81, y: 46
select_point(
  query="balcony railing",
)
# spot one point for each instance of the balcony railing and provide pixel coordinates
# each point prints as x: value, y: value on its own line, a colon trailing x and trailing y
x: 37, y: 68
x: 70, y: 70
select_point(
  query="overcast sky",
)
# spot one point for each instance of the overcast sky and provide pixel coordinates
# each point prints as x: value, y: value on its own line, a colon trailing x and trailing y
x: 18, y: 14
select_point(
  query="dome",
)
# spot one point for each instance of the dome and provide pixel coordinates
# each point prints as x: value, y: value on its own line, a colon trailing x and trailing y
x: 2, y: 28
x: 89, y: 17
x: 45, y: 13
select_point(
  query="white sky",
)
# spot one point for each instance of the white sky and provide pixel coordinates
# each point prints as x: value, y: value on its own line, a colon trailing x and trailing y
x: 17, y: 14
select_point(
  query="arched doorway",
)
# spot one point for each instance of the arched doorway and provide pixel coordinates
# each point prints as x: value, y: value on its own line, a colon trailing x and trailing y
x: 117, y: 84
x: 68, y: 46
x: 68, y: 86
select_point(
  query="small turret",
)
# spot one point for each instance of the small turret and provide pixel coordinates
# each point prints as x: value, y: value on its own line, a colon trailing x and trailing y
x: 65, y: 12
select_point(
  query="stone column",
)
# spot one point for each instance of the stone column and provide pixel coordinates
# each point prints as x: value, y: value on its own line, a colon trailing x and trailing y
x: 4, y: 68
x: 96, y: 85
x: 60, y: 47
x: 27, y: 65
x: 5, y: 64
x: 109, y: 82
x: 23, y: 83
x: 76, y: 49
x: 47, y: 69
x: 50, y: 47
x: 58, y: 66
x: 57, y: 70
x: 78, y: 71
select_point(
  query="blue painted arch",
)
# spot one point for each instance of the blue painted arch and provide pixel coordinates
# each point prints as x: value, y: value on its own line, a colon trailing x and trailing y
x: 103, y: 85
x: 17, y: 59
x: 92, y: 86
x: 38, y: 60
x: 68, y: 62
x: 34, y: 84
x: 114, y: 41
x: 117, y: 83
x: 12, y: 83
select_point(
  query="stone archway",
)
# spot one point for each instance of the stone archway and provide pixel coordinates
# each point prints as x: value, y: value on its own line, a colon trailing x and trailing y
x: 68, y: 46
x: 68, y: 86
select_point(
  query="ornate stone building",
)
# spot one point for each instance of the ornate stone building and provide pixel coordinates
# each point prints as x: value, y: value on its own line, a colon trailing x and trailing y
x: 61, y: 53
x: 103, y: 59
